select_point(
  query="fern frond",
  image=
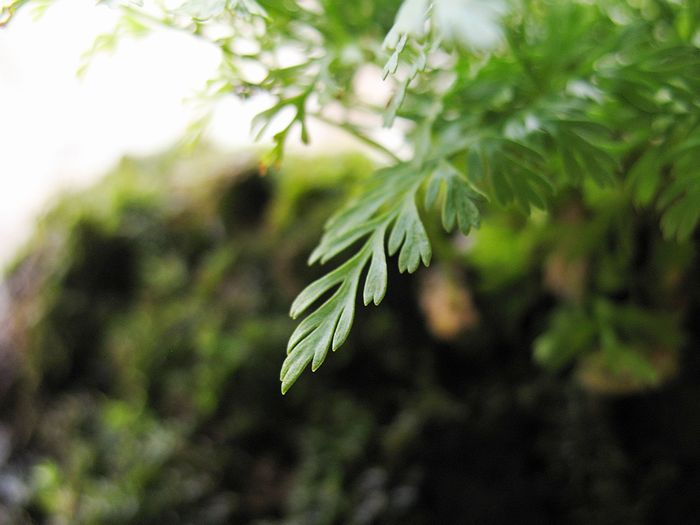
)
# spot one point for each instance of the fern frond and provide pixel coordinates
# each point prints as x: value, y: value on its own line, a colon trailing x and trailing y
x: 408, y: 234
x: 645, y: 176
x: 387, y: 206
x: 680, y: 200
x: 681, y: 204
x: 329, y: 325
x: 516, y: 174
x: 459, y: 207
x: 581, y: 149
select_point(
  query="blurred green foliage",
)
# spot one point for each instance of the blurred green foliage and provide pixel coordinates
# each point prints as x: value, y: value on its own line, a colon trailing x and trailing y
x: 146, y: 318
x: 146, y: 321
x: 147, y: 298
x: 504, y: 104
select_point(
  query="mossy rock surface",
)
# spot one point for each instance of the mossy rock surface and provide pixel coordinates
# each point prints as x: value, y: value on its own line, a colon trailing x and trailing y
x: 139, y: 364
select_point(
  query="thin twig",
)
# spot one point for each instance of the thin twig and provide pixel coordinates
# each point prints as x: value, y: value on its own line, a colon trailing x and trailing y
x: 348, y: 128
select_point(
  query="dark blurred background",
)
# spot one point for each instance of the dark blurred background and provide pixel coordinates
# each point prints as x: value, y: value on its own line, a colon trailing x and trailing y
x: 144, y: 325
x: 543, y: 370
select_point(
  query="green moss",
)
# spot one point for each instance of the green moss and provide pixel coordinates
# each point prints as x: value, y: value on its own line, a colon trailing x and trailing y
x: 151, y: 320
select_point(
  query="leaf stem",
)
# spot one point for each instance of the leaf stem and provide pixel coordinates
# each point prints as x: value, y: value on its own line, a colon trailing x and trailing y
x: 348, y: 128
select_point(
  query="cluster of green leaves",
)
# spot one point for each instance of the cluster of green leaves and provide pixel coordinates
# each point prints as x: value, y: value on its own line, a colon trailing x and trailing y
x: 560, y: 106
x: 625, y: 336
x: 513, y: 101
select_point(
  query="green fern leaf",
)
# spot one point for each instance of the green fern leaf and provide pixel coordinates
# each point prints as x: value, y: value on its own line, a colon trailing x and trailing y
x: 387, y: 204
x: 516, y: 175
x: 681, y: 205
x: 459, y: 208
x: 645, y: 177
x: 376, y: 281
x: 680, y: 200
x: 581, y: 147
x: 409, y: 235
x: 326, y: 327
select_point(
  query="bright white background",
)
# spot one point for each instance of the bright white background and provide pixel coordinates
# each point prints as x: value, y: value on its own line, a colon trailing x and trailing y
x: 58, y: 131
